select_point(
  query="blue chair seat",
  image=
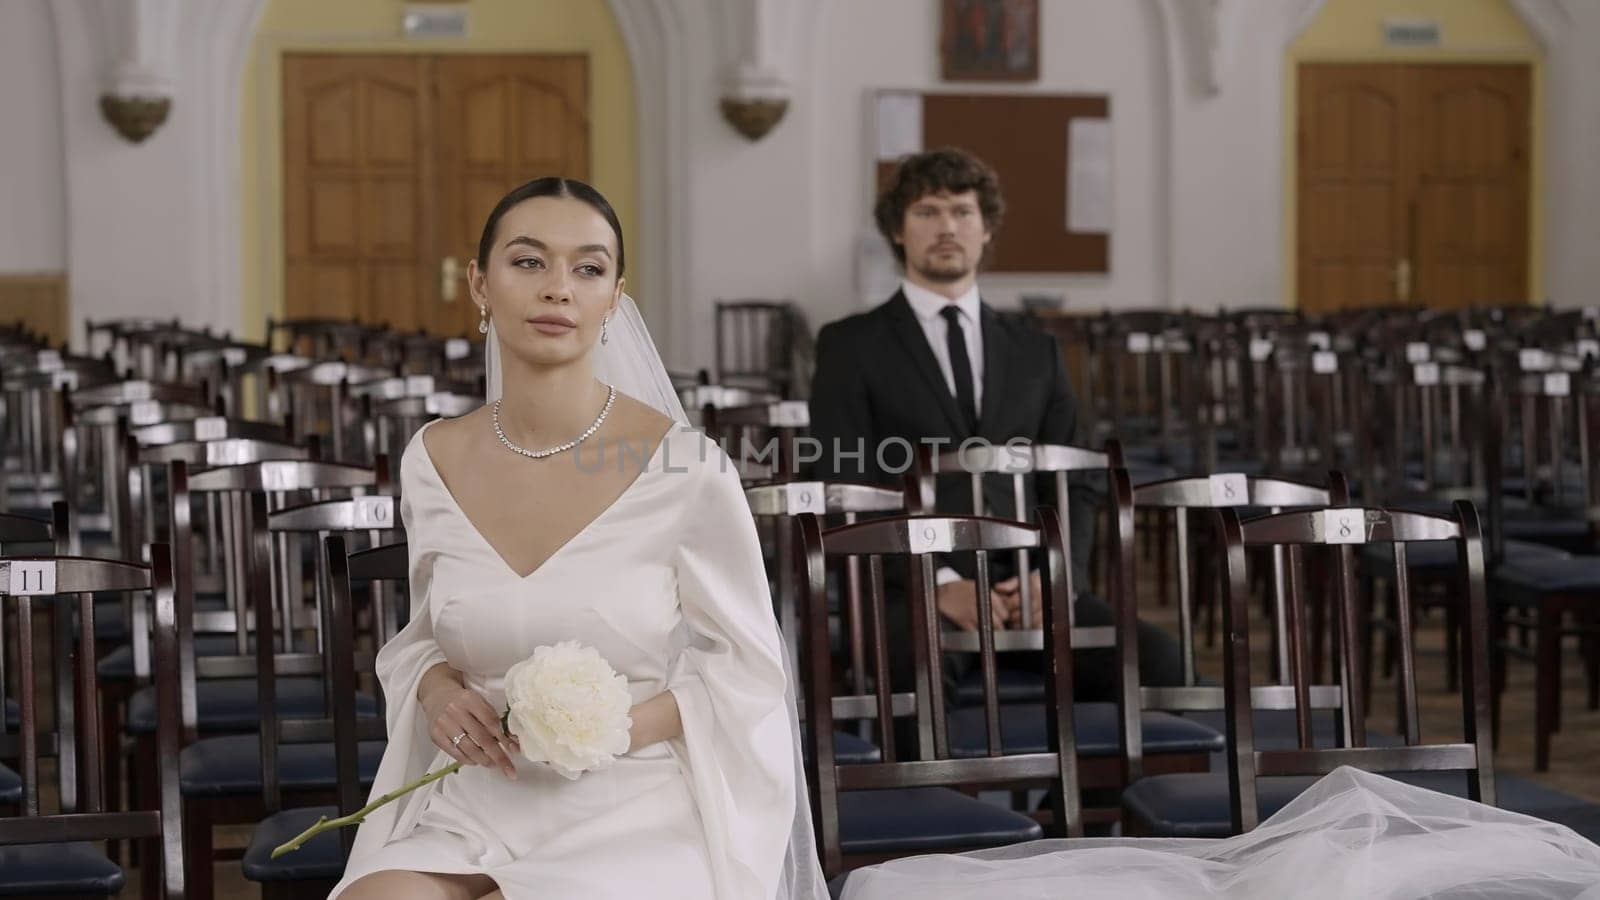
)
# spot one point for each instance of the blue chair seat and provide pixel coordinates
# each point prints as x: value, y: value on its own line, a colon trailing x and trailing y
x: 1526, y: 580
x: 118, y: 664
x: 35, y: 870
x: 10, y: 787
x: 111, y: 625
x: 231, y: 764
x: 849, y: 748
x: 1442, y: 554
x: 319, y: 859
x: 1096, y: 726
x: 1195, y: 804
x: 1570, y: 530
x: 1012, y: 685
x: 908, y: 820
x: 229, y: 704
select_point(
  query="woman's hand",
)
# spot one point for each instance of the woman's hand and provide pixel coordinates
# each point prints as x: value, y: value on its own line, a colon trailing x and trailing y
x: 452, y: 709
x: 654, y: 720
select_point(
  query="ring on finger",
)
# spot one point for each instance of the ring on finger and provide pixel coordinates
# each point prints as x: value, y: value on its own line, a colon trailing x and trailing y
x: 456, y: 741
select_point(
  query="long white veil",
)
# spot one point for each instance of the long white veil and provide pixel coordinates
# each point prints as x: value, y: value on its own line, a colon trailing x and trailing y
x: 1351, y: 834
x: 629, y: 361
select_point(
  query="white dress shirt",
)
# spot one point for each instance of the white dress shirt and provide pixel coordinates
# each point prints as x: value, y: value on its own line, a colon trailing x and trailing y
x: 928, y: 306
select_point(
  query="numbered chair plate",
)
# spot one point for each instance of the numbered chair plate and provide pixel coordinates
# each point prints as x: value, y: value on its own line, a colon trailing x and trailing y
x: 374, y: 513
x: 28, y: 578
x: 1229, y: 490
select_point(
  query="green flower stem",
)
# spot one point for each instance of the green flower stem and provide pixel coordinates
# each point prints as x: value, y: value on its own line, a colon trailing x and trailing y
x: 360, y: 815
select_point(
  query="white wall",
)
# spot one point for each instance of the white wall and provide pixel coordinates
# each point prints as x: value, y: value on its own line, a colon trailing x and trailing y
x: 1572, y: 230
x: 1227, y: 164
x: 1087, y: 46
x: 32, y: 201
x: 152, y: 228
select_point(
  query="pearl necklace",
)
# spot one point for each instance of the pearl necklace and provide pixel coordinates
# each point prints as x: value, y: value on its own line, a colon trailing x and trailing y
x: 611, y: 397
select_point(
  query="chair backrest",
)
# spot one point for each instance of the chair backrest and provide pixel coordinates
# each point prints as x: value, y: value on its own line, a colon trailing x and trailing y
x: 85, y: 814
x: 205, y: 429
x: 320, y: 401
x: 229, y: 451
x: 765, y: 434
x: 127, y: 393
x: 1139, y: 374
x: 373, y: 516
x: 753, y: 342
x: 1224, y: 491
x: 781, y: 504
x: 344, y: 664
x: 328, y: 338
x: 396, y: 421
x: 1435, y: 407
x: 981, y: 462
x: 39, y: 432
x: 15, y: 529
x: 1336, y: 532
x: 916, y: 539
x: 235, y: 488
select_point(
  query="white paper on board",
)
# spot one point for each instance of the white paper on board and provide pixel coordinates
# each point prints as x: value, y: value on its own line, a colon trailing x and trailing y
x: 899, y: 119
x: 1089, y: 176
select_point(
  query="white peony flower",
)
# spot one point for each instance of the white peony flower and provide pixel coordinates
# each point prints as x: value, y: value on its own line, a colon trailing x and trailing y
x: 568, y: 708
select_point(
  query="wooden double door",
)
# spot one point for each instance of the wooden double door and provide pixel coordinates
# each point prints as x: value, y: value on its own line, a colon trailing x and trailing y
x: 1413, y: 185
x: 392, y: 163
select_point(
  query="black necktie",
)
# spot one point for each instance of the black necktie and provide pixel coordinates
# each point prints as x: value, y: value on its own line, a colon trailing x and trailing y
x: 961, y: 367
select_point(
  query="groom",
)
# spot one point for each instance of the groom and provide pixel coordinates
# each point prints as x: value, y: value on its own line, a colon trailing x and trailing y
x: 934, y: 363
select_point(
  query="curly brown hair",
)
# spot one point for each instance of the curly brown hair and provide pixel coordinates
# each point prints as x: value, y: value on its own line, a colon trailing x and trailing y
x: 945, y: 170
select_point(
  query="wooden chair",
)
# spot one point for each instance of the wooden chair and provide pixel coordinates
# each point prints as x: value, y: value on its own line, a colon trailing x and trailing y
x: 18, y: 535
x: 1140, y: 379
x: 47, y: 853
x: 763, y: 434
x: 396, y: 421
x: 219, y: 699
x: 205, y: 429
x: 869, y: 812
x: 321, y: 338
x: 221, y: 771
x: 1541, y: 592
x: 38, y: 422
x: 318, y: 865
x: 319, y: 402
x: 215, y: 363
x: 780, y: 505
x: 1183, y: 496
x: 1112, y: 736
x: 754, y: 341
x: 1256, y: 783
x: 987, y: 469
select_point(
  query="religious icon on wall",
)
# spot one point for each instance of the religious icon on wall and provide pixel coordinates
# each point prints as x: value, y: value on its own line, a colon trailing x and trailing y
x: 990, y: 40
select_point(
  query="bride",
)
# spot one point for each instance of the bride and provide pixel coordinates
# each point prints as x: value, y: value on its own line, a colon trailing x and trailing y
x: 578, y: 505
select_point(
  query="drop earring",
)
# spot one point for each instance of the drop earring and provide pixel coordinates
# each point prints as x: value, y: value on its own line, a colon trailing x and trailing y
x: 604, y: 323
x: 483, y: 320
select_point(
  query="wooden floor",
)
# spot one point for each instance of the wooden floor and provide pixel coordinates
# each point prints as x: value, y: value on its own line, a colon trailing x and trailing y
x: 1572, y: 769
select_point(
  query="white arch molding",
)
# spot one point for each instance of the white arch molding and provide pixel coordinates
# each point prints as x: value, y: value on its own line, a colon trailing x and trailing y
x: 653, y: 31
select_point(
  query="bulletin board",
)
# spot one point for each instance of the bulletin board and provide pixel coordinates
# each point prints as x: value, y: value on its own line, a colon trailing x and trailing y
x: 1051, y: 151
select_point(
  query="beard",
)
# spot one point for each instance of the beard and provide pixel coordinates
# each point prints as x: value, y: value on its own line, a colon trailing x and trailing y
x: 943, y: 273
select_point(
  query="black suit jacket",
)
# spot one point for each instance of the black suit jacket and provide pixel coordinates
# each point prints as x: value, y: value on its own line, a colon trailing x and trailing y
x: 877, y: 380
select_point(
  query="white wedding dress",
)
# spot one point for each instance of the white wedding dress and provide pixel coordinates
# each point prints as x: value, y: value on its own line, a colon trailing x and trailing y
x: 667, y: 584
